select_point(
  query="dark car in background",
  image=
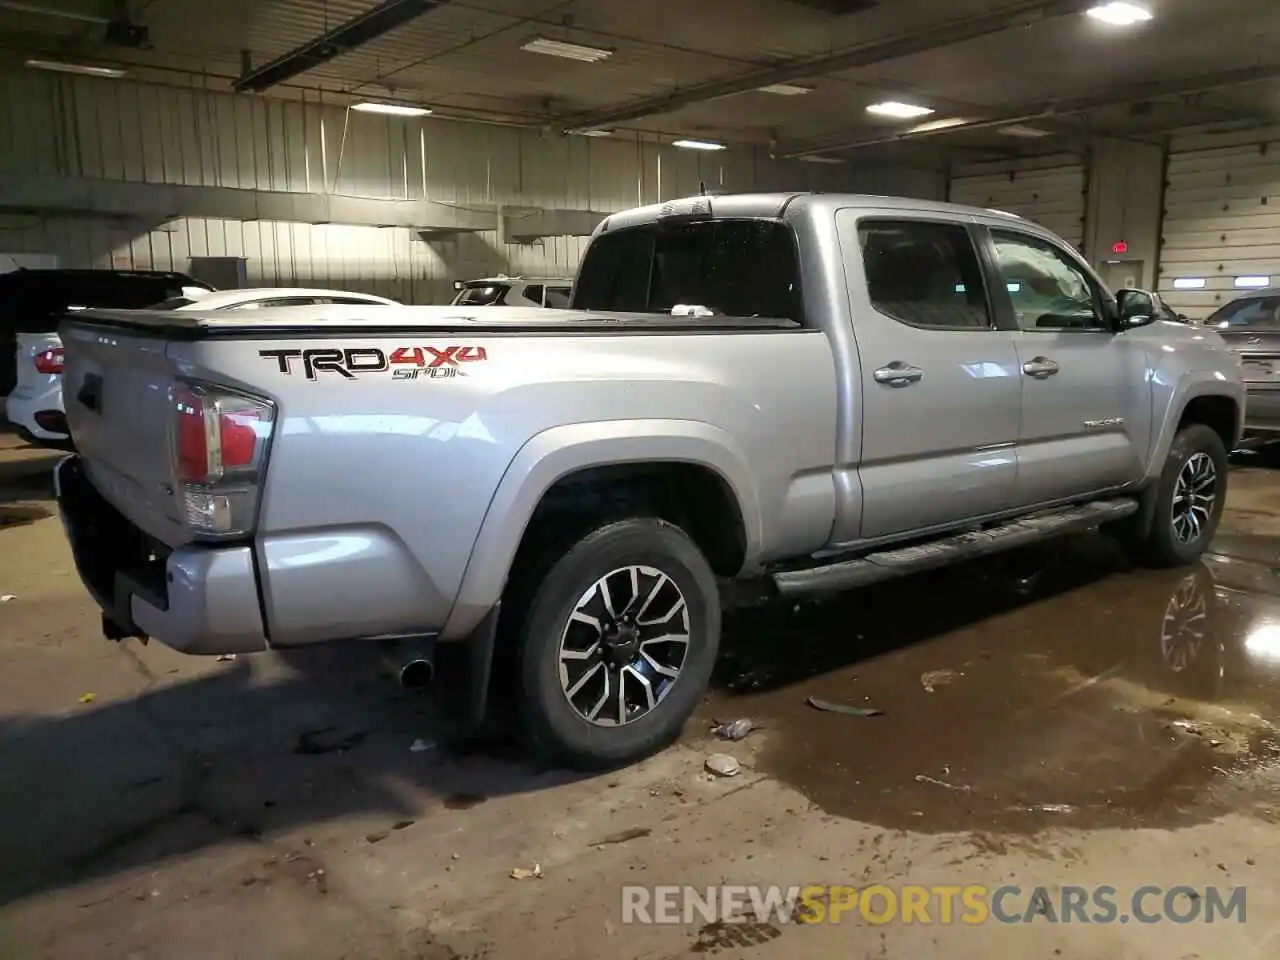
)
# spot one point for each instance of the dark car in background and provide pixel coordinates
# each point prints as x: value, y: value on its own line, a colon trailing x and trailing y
x: 33, y: 303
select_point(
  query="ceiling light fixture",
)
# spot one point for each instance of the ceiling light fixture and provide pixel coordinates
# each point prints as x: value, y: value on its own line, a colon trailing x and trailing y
x: 820, y: 158
x: 592, y: 133
x: 1119, y: 13
x: 898, y: 110
x: 785, y: 89
x: 83, y: 69
x: 566, y: 50
x: 1027, y: 133
x: 391, y: 109
x: 943, y: 123
x: 698, y: 145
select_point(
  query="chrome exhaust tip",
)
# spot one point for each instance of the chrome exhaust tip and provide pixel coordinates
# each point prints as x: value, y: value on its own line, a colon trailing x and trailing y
x: 417, y: 673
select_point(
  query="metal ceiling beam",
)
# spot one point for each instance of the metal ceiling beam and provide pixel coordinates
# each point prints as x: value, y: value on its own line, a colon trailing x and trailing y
x: 359, y: 30
x: 881, y: 51
x: 1054, y: 109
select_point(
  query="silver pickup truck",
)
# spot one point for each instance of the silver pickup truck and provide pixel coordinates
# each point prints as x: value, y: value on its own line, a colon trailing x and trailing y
x: 812, y: 392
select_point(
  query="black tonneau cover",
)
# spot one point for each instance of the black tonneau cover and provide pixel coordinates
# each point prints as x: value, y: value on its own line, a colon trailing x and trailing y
x: 340, y: 320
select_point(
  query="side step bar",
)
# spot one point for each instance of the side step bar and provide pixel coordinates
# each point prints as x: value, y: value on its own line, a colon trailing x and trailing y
x: 887, y: 564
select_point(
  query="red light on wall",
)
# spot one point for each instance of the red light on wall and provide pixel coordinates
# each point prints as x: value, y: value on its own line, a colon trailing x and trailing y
x: 1120, y: 247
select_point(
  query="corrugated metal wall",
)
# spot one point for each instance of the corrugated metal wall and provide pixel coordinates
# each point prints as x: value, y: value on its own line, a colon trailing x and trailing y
x: 118, y: 130
x: 1049, y: 190
x: 1221, y: 234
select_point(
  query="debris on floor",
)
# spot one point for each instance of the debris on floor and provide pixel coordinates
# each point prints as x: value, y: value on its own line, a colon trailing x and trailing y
x: 6, y: 598
x: 921, y: 778
x: 525, y: 873
x: 224, y: 657
x: 421, y: 746
x: 326, y: 740
x: 845, y: 708
x: 931, y: 679
x: 723, y: 765
x: 734, y: 729
x: 622, y: 836
x: 87, y: 697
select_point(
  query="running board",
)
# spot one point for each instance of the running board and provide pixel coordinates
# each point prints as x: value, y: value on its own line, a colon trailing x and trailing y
x: 887, y: 564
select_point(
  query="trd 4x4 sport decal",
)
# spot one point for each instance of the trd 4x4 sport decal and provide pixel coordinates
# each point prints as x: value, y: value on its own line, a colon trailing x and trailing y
x: 405, y: 363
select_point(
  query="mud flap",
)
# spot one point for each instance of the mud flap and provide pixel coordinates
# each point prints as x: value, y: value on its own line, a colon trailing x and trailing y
x: 469, y: 665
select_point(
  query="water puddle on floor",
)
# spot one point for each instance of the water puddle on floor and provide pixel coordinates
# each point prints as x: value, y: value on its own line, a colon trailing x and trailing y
x: 1055, y: 686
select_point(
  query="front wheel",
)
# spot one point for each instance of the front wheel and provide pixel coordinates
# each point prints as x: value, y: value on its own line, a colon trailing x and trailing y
x: 1189, y: 498
x: 617, y: 644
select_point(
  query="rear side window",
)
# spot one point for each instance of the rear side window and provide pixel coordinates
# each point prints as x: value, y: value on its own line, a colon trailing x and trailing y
x: 533, y: 292
x: 1256, y: 312
x: 482, y: 295
x: 557, y: 297
x: 734, y: 268
x: 924, y: 274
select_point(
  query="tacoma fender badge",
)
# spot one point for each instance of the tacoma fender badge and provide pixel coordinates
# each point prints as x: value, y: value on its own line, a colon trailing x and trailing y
x: 1104, y: 422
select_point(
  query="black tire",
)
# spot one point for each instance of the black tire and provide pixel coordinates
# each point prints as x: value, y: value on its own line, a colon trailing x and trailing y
x: 1162, y: 547
x: 557, y: 729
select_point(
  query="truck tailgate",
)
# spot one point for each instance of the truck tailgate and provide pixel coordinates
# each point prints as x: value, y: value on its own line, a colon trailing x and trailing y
x: 116, y: 393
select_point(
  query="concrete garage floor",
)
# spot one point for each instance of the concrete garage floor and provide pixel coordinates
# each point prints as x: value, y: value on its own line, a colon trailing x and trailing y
x: 272, y: 806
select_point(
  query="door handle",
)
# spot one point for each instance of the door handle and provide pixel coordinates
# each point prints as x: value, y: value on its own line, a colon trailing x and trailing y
x: 898, y: 374
x: 1040, y: 368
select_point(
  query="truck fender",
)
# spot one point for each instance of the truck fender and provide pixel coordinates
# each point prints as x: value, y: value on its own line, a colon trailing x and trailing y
x: 559, y: 451
x: 1190, y: 385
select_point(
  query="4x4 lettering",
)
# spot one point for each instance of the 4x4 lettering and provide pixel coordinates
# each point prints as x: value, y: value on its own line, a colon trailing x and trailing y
x: 456, y: 355
x: 412, y: 355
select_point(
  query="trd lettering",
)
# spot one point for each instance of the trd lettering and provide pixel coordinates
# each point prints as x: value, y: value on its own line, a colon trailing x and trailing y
x: 348, y: 363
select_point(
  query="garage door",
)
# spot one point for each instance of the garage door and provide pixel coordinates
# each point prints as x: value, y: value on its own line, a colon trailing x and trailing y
x: 1049, y: 190
x: 1221, y: 233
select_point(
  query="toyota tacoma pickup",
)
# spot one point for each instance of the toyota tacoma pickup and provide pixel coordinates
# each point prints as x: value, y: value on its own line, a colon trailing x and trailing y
x: 811, y: 392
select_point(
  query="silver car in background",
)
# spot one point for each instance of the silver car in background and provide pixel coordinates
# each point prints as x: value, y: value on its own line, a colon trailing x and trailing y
x: 1251, y: 326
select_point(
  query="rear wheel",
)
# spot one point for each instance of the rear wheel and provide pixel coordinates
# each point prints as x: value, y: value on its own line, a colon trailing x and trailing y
x: 1189, y: 498
x: 617, y: 643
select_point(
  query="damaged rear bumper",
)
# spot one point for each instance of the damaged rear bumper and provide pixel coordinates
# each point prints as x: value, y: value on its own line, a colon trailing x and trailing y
x: 198, y: 600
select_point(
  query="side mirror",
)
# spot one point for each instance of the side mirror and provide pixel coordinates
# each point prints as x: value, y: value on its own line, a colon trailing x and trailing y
x: 1136, y: 308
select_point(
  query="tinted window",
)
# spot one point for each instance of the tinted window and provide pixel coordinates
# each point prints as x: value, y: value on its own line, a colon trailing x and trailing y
x: 1254, y: 312
x: 924, y: 274
x: 355, y: 301
x: 275, y: 302
x: 482, y: 295
x: 533, y: 292
x: 557, y: 297
x: 1049, y: 290
x: 736, y: 268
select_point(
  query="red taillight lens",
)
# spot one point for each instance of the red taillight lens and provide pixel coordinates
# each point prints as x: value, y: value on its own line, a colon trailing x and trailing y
x: 49, y: 361
x: 219, y: 447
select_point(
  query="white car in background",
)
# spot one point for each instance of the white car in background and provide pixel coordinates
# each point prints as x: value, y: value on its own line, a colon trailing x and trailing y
x: 502, y: 291
x: 35, y: 405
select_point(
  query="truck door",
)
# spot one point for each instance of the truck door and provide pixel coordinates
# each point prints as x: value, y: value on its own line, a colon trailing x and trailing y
x: 939, y: 381
x: 1086, y: 404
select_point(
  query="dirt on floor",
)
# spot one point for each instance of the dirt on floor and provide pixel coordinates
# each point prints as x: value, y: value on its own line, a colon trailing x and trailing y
x: 1054, y: 719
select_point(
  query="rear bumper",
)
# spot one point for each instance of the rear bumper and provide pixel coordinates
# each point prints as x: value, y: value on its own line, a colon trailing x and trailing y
x: 38, y: 416
x: 195, y: 599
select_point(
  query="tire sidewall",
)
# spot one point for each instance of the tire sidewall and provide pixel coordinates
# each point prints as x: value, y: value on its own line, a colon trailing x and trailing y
x: 1194, y: 439
x: 550, y: 719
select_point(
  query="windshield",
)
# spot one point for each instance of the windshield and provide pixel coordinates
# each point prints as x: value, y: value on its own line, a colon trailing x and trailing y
x: 1250, y: 312
x: 481, y: 295
x: 734, y: 268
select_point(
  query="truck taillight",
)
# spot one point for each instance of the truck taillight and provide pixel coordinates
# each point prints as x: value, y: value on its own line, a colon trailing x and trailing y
x: 220, y: 441
x: 49, y: 361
